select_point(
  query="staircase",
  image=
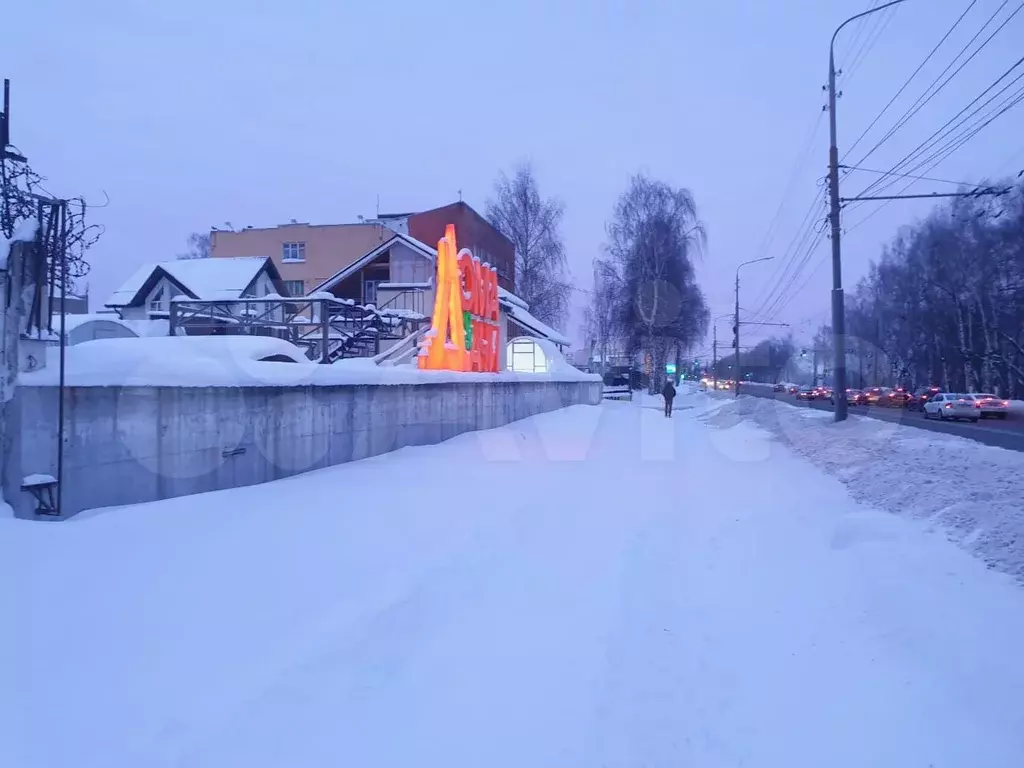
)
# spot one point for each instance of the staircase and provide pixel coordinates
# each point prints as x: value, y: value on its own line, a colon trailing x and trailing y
x: 356, y: 331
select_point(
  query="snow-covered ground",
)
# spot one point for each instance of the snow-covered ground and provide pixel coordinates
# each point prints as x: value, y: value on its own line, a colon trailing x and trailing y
x: 598, y: 586
x: 972, y: 493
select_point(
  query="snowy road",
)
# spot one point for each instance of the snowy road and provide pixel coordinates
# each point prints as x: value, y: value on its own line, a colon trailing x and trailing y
x: 592, y: 587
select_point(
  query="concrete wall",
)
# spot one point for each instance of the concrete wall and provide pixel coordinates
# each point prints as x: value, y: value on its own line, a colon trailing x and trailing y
x: 135, y: 444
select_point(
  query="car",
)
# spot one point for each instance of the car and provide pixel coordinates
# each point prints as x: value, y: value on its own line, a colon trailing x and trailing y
x: 921, y: 396
x: 853, y: 397
x: 990, y: 405
x: 779, y: 388
x: 874, y: 395
x: 950, y: 405
x: 806, y: 393
x: 897, y: 397
x: 793, y: 389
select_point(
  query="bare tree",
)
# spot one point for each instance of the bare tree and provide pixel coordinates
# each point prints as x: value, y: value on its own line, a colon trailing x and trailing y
x: 653, y: 235
x: 600, y: 328
x: 532, y: 224
x: 199, y: 246
x: 944, y: 304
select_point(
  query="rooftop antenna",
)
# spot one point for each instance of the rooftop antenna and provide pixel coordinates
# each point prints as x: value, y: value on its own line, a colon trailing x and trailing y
x: 460, y: 195
x: 378, y: 205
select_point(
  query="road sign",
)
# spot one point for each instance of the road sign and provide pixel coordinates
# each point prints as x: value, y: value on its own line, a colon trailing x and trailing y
x: 670, y: 369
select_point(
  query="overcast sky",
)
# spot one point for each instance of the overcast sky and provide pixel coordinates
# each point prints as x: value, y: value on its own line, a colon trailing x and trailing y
x: 192, y: 114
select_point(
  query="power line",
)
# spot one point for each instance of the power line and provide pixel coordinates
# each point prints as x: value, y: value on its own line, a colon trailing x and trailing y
x: 913, y: 74
x: 906, y: 175
x: 944, y: 130
x: 773, y: 311
x: 881, y: 23
x: 921, y: 100
x: 951, y: 148
x: 795, y: 246
x: 861, y: 27
x: 957, y: 141
x: 799, y: 161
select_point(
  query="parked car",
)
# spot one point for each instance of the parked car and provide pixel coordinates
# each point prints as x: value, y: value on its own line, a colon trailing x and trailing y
x: 993, y: 406
x: 949, y: 405
x: 874, y: 395
x: 921, y: 396
x: 806, y: 393
x: 897, y: 397
x: 853, y: 397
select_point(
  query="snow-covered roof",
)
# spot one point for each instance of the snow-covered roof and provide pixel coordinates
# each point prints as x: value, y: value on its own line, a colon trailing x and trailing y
x: 206, y: 279
x: 511, y: 298
x: 372, y: 254
x: 525, y: 319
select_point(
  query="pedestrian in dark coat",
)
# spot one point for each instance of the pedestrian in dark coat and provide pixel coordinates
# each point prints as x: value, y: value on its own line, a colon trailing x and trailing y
x: 669, y: 393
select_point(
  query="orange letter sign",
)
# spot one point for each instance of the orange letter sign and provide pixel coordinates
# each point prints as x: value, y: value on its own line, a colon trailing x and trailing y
x: 464, y: 328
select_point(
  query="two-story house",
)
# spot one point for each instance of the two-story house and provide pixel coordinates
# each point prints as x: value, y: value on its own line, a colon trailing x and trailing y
x: 307, y: 255
x: 303, y: 254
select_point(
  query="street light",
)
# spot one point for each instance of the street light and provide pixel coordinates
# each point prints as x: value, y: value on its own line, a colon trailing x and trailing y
x: 838, y: 311
x: 736, y: 320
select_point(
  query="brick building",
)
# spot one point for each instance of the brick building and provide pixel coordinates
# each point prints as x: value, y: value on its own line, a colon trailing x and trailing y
x: 308, y: 254
x: 473, y: 232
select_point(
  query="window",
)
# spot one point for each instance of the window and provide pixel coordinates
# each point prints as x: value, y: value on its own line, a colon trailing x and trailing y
x: 159, y: 301
x: 294, y: 288
x: 370, y: 291
x: 293, y: 252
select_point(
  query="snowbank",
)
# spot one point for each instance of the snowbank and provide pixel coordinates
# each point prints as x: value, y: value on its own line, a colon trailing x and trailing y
x: 239, y: 361
x: 973, y: 492
x: 544, y: 595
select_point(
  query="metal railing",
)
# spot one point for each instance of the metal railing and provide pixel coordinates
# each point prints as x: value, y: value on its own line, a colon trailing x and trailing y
x: 325, y: 329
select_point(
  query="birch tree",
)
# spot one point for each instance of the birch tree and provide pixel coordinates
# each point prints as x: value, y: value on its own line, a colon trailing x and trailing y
x: 533, y: 224
x: 653, y: 237
x: 944, y: 303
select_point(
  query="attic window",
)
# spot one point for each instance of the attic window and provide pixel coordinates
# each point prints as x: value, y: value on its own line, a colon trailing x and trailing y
x: 159, y: 302
x: 293, y: 252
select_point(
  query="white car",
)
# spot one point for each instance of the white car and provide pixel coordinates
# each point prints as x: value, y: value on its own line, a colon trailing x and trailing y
x: 948, y: 405
x: 993, y: 406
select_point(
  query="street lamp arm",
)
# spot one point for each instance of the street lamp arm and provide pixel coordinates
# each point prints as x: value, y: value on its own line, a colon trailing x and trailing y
x: 753, y: 261
x: 859, y: 16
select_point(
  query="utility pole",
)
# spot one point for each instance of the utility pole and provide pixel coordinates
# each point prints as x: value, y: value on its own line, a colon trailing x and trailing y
x: 736, y: 320
x: 714, y: 360
x: 736, y: 335
x: 838, y: 309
